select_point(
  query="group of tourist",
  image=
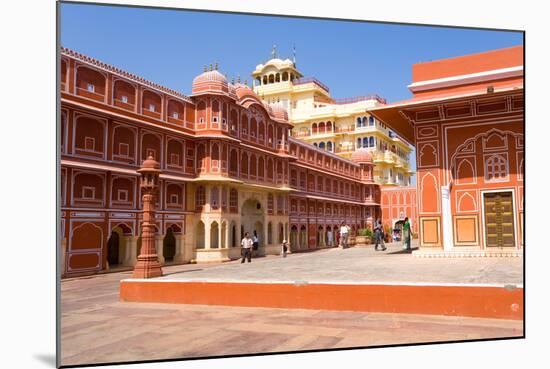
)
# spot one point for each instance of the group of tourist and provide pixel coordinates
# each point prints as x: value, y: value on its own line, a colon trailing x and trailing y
x: 249, y: 244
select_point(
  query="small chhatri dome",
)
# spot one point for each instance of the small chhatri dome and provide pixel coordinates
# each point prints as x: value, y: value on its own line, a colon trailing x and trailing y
x: 210, y: 81
x: 362, y: 156
x: 149, y: 165
x: 242, y: 91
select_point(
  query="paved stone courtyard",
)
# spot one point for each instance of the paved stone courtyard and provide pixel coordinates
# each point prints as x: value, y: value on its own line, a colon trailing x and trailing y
x: 96, y: 327
x: 363, y: 265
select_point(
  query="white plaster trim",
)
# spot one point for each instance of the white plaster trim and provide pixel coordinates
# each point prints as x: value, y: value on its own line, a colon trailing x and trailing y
x: 490, y: 75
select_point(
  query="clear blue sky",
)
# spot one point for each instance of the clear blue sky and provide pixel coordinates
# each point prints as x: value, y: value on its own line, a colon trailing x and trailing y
x: 353, y: 58
x: 171, y: 47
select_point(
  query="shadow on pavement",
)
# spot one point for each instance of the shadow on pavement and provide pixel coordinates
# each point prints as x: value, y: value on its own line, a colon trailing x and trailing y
x: 182, y: 271
x: 409, y: 251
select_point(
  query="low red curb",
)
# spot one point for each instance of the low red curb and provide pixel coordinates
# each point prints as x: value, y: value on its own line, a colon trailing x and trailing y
x: 455, y: 300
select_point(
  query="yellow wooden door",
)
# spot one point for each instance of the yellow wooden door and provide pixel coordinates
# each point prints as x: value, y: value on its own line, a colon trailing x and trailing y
x: 499, y: 219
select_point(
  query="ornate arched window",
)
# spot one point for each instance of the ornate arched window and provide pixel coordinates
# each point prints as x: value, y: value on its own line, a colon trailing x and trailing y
x: 496, y: 168
x: 215, y: 198
x: 371, y: 121
x: 200, y: 198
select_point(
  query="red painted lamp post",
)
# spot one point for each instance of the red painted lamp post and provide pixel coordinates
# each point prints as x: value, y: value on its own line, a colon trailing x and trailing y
x: 147, y: 265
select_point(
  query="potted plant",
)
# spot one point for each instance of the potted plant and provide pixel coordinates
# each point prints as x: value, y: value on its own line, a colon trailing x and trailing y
x: 364, y: 237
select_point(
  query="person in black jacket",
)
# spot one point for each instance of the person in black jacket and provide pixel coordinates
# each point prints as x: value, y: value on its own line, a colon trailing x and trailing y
x: 379, y: 234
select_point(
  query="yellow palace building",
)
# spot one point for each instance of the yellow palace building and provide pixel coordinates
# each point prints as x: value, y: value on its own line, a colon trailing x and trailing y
x: 341, y: 126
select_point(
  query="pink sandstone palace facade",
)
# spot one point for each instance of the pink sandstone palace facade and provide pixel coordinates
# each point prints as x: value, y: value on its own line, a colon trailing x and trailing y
x: 228, y: 166
x: 466, y: 120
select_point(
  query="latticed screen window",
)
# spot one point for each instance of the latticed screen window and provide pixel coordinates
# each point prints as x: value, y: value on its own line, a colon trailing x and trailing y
x: 233, y: 200
x: 174, y: 159
x: 270, y: 204
x: 495, y: 168
x: 89, y: 143
x: 200, y: 197
x: 215, y: 197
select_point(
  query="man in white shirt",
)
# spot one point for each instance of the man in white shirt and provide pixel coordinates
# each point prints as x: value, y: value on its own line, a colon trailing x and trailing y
x: 344, y: 231
x: 246, y: 244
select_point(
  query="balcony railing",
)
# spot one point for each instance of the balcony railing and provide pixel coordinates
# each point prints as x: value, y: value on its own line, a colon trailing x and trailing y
x: 304, y: 80
x: 345, y: 129
x: 354, y: 99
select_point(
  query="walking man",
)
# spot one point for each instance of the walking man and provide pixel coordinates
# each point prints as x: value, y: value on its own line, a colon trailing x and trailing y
x: 284, y: 247
x: 246, y: 244
x: 379, y: 234
x: 407, y: 234
x: 344, y: 231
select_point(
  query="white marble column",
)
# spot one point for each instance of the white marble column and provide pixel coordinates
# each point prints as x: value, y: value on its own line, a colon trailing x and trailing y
x: 207, y: 235
x: 227, y: 234
x: 446, y: 218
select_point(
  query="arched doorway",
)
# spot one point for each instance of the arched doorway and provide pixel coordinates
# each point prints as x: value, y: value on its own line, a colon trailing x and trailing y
x: 320, y: 236
x: 169, y: 245
x: 281, y: 233
x: 214, y: 236
x: 303, y: 237
x: 233, y: 235
x: 258, y: 228
x: 199, y: 242
x: 113, y: 246
x: 294, y: 238
x: 252, y: 219
x: 397, y: 230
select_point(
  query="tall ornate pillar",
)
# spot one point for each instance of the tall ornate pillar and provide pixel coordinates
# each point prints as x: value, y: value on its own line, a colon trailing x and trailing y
x: 147, y: 265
